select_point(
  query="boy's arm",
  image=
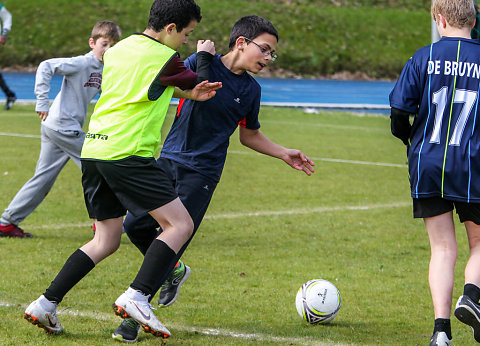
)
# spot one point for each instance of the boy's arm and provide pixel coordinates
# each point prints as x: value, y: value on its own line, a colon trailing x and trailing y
x: 44, y: 75
x: 400, y: 124
x: 257, y: 141
x: 6, y: 24
x: 205, y: 54
x: 201, y: 92
x: 189, y: 84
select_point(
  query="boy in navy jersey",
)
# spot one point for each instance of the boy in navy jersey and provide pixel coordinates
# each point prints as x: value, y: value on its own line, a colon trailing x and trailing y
x: 196, y: 147
x: 440, y: 86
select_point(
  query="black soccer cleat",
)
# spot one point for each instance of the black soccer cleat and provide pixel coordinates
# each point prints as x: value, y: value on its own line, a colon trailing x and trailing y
x: 171, y: 288
x: 10, y: 101
x: 127, y: 331
x: 468, y: 312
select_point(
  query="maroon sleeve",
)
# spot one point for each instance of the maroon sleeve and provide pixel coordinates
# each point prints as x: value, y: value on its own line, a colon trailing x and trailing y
x: 177, y: 74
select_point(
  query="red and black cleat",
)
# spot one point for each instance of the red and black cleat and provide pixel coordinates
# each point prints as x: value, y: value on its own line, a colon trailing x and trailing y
x: 13, y: 231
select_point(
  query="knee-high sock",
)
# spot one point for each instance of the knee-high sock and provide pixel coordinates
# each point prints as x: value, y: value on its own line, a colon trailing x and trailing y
x: 77, y: 266
x: 155, y: 264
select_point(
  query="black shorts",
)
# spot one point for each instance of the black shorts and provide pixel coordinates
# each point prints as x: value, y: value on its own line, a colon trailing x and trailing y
x: 433, y: 206
x: 136, y: 184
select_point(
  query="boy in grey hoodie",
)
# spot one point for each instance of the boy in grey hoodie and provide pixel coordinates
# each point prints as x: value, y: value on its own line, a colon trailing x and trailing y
x: 61, y: 131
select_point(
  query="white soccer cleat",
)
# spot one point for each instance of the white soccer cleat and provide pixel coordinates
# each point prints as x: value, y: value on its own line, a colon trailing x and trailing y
x: 134, y: 304
x: 43, y: 314
x: 440, y: 339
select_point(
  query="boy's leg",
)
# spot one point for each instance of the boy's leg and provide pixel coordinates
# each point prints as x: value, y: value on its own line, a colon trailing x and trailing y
x: 50, y: 162
x: 467, y: 309
x: 443, y: 244
x: 106, y: 239
x: 472, y: 269
x: 141, y: 230
x: 177, y: 228
x: 70, y: 142
x: 42, y: 312
x: 5, y: 88
x: 11, y: 98
x: 195, y: 191
x: 190, y: 187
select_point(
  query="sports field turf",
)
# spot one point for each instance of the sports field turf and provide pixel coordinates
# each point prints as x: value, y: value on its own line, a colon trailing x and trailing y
x: 268, y: 230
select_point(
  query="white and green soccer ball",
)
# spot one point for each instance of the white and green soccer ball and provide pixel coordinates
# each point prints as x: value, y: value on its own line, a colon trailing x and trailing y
x: 318, y: 301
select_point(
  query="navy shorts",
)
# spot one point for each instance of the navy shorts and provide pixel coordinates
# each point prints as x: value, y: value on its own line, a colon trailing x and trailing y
x: 195, y: 191
x: 433, y: 206
x: 137, y: 184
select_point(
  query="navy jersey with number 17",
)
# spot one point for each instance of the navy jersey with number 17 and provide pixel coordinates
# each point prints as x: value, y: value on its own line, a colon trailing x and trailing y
x: 440, y: 85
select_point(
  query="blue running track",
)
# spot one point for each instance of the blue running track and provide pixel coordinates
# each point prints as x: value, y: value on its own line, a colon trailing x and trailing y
x: 306, y: 93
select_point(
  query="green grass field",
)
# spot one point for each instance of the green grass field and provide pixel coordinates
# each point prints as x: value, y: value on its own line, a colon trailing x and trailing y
x: 268, y: 230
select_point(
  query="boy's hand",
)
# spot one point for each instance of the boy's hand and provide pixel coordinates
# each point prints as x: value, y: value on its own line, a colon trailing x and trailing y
x: 204, y: 91
x: 42, y: 115
x: 298, y: 160
x: 206, y: 46
x: 3, y: 39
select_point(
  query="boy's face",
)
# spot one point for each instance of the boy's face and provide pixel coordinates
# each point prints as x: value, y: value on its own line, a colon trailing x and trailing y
x: 258, y: 52
x: 175, y: 39
x: 100, y: 46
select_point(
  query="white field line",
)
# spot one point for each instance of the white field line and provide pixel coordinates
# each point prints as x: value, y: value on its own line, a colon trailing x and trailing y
x: 204, y: 331
x: 369, y: 163
x: 238, y: 152
x: 323, y: 125
x: 307, y: 211
x: 257, y: 213
x: 8, y: 134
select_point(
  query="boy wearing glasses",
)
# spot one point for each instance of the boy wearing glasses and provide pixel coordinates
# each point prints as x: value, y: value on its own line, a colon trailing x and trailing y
x: 195, y: 149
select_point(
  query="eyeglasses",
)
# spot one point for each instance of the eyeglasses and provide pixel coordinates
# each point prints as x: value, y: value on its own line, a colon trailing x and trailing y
x: 265, y: 51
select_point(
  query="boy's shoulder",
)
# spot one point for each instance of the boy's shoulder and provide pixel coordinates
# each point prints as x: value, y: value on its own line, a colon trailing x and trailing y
x: 246, y: 77
x: 71, y: 65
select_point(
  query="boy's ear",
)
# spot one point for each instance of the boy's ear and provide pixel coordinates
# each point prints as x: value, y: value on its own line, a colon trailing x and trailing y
x: 170, y: 27
x: 442, y: 20
x: 91, y: 42
x: 241, y: 43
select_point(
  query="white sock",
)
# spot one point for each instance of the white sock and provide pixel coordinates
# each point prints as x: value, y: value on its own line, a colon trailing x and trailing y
x: 48, y: 304
x: 136, y: 295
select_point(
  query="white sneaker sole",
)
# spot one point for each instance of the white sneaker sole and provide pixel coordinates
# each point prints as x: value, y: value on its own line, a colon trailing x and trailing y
x: 36, y: 322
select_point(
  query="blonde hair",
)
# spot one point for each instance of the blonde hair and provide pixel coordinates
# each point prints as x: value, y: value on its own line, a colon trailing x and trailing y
x: 457, y: 13
x: 106, y: 29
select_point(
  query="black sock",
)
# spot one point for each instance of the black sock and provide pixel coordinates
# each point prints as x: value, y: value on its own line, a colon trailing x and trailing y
x: 472, y: 291
x: 443, y: 325
x: 75, y: 268
x: 155, y: 264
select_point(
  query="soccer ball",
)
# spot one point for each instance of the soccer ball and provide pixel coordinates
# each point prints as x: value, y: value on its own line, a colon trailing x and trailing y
x: 318, y: 301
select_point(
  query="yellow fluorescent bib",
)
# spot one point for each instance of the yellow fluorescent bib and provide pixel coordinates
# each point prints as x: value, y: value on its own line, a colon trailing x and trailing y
x: 129, y: 115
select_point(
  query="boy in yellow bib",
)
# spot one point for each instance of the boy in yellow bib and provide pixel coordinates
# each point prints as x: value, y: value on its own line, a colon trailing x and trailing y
x: 119, y: 170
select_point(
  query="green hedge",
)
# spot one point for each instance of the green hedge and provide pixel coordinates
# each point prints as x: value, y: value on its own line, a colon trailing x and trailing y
x: 318, y: 38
